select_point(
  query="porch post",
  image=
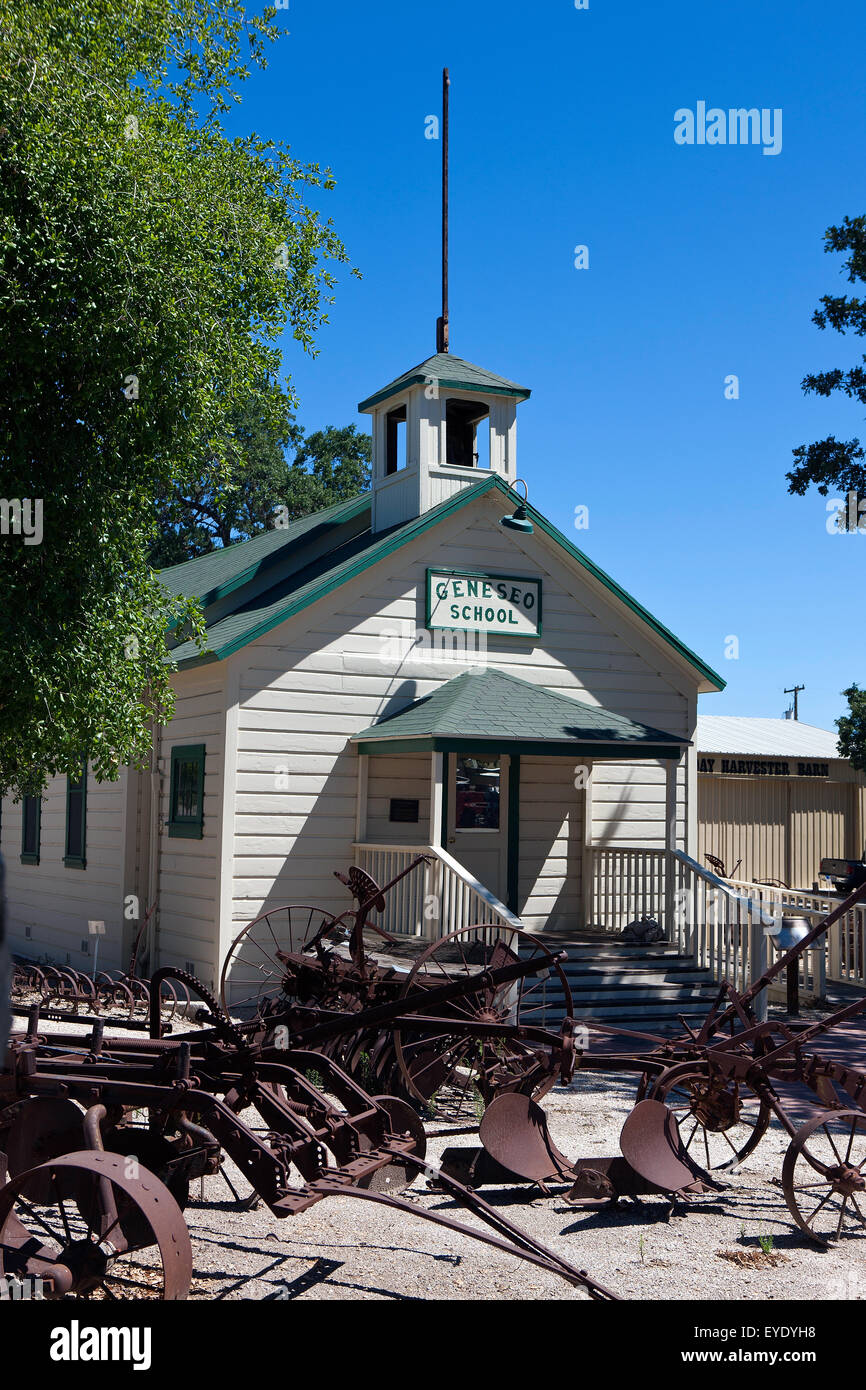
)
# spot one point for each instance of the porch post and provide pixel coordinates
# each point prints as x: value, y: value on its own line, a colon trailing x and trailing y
x: 361, y: 803
x: 434, y: 880
x: 513, y: 866
x: 588, y: 866
x: 672, y: 766
x: 437, y: 799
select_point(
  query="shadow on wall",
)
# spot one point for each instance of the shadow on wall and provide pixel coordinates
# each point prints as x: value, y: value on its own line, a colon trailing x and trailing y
x: 320, y: 834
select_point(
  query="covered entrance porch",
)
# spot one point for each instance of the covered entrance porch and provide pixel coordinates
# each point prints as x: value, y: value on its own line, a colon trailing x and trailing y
x: 495, y: 779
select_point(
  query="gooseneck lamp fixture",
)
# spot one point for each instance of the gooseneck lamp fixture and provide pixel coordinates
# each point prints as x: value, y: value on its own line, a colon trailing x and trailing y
x: 519, y: 521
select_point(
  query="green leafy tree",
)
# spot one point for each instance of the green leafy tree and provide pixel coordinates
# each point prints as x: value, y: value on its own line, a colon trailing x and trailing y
x: 835, y: 463
x: 262, y: 489
x: 148, y: 264
x: 852, y: 728
x: 330, y: 466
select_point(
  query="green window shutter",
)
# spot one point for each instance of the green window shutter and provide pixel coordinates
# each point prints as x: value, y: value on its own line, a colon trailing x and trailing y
x: 31, y: 829
x: 186, y: 792
x: 75, y: 856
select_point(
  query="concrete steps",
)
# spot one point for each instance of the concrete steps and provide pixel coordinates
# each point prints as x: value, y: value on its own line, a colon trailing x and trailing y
x: 615, y: 981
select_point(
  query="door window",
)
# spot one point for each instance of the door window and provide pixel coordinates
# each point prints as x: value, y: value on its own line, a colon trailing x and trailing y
x: 477, y: 795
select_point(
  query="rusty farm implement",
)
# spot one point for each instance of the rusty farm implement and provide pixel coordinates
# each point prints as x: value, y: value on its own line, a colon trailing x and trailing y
x: 121, y: 995
x: 93, y: 1196
x: 704, y: 1101
x: 454, y: 1052
x: 101, y: 1138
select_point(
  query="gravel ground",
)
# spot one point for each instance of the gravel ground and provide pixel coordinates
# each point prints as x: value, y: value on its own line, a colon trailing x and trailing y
x: 646, y: 1249
x: 643, y: 1249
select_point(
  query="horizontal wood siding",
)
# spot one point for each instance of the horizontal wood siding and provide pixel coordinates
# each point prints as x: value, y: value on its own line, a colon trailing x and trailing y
x: 362, y: 652
x: 189, y: 869
x: 56, y: 902
x: 404, y: 778
x: 551, y: 844
x: 628, y: 805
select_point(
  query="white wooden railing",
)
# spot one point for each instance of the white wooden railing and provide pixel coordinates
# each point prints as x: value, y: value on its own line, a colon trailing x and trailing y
x: 845, y: 950
x: 434, y: 899
x: 723, y: 929
x: 626, y: 883
x: 721, y: 925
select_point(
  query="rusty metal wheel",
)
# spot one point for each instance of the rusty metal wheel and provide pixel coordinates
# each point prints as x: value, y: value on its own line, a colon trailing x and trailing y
x: 96, y: 1225
x: 253, y: 974
x: 720, y: 1122
x: 455, y: 1074
x: 824, y: 1176
x: 404, y: 1124
x: 44, y: 1127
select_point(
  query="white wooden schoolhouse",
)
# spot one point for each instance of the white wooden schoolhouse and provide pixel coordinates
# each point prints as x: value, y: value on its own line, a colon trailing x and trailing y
x: 431, y: 666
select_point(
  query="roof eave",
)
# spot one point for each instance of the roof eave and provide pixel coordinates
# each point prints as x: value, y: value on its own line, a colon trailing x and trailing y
x: 529, y: 747
x: 518, y: 393
x: 709, y: 680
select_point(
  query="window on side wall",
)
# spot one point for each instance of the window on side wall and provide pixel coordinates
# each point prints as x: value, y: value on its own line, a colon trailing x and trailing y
x: 75, y: 856
x: 186, y: 794
x: 31, y: 829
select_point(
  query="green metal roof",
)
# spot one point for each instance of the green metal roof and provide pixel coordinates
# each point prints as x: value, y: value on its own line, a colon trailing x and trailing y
x: 453, y: 372
x: 493, y: 710
x: 337, y: 563
x: 212, y: 576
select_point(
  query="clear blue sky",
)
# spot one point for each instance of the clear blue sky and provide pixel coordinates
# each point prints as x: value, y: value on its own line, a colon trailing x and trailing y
x: 704, y: 261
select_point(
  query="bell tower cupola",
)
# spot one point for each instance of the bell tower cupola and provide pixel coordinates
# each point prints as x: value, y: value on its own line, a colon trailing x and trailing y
x: 437, y: 429
x: 446, y: 423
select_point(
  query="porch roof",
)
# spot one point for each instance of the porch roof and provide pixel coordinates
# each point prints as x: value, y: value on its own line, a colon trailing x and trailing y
x: 491, y: 711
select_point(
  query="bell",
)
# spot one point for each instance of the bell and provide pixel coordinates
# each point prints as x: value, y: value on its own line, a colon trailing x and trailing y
x: 791, y: 932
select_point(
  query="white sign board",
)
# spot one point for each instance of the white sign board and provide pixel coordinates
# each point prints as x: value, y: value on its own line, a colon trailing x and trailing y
x: 471, y: 601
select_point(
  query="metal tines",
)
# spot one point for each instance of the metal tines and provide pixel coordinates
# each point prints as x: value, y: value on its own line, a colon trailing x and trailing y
x: 63, y: 989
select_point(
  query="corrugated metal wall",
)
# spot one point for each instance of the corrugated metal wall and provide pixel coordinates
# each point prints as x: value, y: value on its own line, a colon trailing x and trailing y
x: 779, y: 828
x: 821, y: 815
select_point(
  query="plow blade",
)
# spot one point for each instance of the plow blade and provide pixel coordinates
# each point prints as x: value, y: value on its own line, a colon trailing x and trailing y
x: 651, y: 1143
x: 514, y: 1132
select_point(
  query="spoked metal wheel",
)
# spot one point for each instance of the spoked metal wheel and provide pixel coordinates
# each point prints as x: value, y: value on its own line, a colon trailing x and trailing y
x: 720, y: 1122
x: 824, y: 1176
x: 456, y: 1074
x: 253, y: 973
x: 95, y: 1225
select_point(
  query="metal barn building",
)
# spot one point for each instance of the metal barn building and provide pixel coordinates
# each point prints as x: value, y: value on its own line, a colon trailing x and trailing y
x: 774, y: 798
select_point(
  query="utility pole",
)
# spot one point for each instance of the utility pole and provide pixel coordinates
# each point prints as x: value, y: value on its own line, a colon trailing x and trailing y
x: 795, y: 690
